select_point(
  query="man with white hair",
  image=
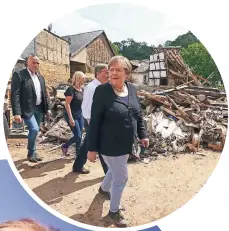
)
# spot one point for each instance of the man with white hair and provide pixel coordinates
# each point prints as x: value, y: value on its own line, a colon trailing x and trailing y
x: 101, y: 76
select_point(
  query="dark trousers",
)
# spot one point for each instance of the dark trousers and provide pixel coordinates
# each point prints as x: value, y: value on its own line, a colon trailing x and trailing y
x: 6, y: 126
x: 81, y: 158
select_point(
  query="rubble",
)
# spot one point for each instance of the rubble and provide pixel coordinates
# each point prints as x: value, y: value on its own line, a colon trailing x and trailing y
x: 179, y: 119
x: 183, y: 118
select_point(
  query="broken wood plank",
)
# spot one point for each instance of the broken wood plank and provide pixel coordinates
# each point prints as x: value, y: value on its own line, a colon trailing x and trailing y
x: 218, y: 103
x: 54, y: 148
x: 177, y: 74
x: 175, y: 88
x: 178, y: 117
x: 193, y: 98
x: 204, y: 88
x: 177, y: 107
x: 207, y: 93
x: 202, y: 78
x: 158, y: 98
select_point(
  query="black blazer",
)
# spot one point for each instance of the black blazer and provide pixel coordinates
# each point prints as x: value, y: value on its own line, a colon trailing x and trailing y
x: 114, y: 125
x: 23, y: 95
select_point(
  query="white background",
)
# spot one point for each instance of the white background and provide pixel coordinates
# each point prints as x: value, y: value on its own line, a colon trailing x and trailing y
x: 21, y: 20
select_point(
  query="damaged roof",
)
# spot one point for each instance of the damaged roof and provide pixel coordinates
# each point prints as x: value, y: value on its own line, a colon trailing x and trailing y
x: 143, y: 65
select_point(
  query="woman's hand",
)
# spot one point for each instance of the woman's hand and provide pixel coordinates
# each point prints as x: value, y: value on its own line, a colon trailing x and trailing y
x: 91, y: 156
x: 145, y: 142
x: 72, y: 122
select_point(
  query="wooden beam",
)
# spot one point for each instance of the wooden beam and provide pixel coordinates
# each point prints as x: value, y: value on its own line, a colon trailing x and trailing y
x: 207, y: 93
x: 204, y: 88
x: 178, y: 117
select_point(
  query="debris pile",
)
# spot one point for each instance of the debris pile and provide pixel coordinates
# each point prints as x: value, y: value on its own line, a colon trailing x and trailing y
x: 182, y: 118
x: 178, y: 119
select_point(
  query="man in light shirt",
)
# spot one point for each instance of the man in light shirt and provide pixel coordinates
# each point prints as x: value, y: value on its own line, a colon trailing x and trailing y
x: 30, y: 101
x: 101, y: 77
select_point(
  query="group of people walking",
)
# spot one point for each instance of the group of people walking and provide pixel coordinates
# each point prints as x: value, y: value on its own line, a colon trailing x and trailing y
x: 108, y: 109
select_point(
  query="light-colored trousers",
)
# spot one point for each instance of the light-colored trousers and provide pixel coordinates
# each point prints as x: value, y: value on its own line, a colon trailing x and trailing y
x: 115, y: 179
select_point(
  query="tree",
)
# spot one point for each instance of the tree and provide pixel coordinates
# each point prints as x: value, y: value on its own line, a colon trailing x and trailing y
x: 168, y: 43
x: 200, y: 61
x: 134, y: 50
x: 115, y: 48
x: 184, y: 40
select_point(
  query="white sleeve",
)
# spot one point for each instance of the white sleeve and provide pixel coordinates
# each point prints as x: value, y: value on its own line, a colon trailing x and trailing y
x: 87, y: 102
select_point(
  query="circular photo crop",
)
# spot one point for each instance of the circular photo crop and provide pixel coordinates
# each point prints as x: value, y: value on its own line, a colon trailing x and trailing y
x: 116, y: 122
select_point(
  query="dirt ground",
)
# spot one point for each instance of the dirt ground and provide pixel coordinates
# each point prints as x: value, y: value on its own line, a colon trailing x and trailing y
x: 153, y: 191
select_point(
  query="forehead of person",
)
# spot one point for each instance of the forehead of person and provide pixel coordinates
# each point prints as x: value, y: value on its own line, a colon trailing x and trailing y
x: 17, y: 229
x: 32, y: 60
x: 24, y: 225
x: 119, y: 69
x: 101, y: 73
x: 33, y: 63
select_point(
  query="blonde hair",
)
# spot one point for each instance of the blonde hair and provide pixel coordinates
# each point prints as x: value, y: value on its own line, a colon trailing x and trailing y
x: 78, y: 75
x: 124, y: 61
x: 25, y: 224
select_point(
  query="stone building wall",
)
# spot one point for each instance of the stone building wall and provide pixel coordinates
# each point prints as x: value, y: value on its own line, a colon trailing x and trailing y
x: 54, y: 58
x: 98, y: 51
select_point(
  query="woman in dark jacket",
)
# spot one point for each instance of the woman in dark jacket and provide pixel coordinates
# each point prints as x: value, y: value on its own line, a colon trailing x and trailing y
x: 116, y: 121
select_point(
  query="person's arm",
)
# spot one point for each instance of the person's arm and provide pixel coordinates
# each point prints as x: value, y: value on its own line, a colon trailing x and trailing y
x: 68, y: 99
x: 68, y: 107
x: 140, y: 125
x: 15, y: 96
x: 87, y: 103
x: 97, y: 113
x: 6, y: 126
x: 141, y: 130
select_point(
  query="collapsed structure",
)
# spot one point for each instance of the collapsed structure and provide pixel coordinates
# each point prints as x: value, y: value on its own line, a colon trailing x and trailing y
x: 167, y: 67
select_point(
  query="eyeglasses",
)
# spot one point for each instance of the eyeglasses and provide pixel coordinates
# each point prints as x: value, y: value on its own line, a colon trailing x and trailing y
x: 106, y: 71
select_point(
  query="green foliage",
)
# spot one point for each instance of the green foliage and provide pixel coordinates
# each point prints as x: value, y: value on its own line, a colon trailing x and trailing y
x: 115, y: 48
x: 183, y: 40
x: 193, y: 52
x: 134, y: 50
x: 200, y: 61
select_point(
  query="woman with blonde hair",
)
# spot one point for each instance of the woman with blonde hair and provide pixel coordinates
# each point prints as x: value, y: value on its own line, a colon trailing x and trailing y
x: 73, y: 113
x: 116, y: 123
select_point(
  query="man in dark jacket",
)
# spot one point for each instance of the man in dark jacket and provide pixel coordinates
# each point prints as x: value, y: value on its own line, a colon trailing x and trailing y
x: 6, y: 126
x: 30, y: 101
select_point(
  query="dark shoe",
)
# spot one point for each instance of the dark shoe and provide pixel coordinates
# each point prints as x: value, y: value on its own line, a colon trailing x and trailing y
x: 64, y: 150
x: 118, y: 219
x: 37, y: 157
x: 104, y: 193
x: 32, y: 159
x: 82, y: 171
